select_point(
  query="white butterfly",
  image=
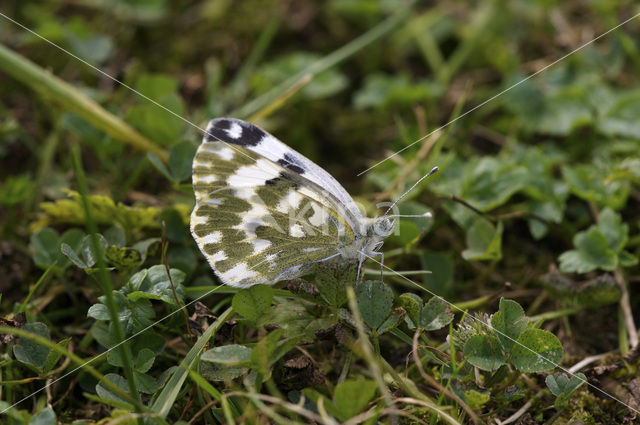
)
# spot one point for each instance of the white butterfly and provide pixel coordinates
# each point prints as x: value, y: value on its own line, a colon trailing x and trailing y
x: 265, y: 213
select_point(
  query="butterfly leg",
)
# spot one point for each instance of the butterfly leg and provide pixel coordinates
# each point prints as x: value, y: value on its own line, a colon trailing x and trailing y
x: 360, y: 261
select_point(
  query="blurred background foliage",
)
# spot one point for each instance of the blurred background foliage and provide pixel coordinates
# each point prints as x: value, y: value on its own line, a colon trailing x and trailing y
x: 541, y: 180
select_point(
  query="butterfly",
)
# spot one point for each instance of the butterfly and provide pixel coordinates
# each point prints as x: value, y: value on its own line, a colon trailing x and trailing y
x: 265, y: 213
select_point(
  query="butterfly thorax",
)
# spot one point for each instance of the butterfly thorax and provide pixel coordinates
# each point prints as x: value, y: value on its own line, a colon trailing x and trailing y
x: 368, y: 239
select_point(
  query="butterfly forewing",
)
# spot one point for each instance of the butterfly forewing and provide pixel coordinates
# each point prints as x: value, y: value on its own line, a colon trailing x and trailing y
x: 236, y: 132
x: 257, y: 221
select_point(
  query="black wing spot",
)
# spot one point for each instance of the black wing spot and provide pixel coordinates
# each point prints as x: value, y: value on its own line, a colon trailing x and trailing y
x: 282, y: 179
x: 223, y: 124
x: 290, y: 162
x: 249, y: 136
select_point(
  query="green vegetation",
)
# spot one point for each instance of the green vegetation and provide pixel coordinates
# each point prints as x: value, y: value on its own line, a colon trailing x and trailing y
x: 517, y: 291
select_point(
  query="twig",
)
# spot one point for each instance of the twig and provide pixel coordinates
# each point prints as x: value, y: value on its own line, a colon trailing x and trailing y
x: 586, y: 361
x: 520, y: 411
x: 625, y: 306
x: 409, y: 387
x: 507, y: 216
x: 363, y: 417
x: 279, y: 101
x: 270, y: 399
x: 202, y: 411
x: 431, y: 381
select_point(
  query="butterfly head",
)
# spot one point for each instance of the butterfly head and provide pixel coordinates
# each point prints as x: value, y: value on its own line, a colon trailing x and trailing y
x: 382, y: 227
x: 376, y: 230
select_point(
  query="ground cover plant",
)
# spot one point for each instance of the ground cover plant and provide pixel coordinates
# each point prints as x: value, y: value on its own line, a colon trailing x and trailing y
x: 514, y: 302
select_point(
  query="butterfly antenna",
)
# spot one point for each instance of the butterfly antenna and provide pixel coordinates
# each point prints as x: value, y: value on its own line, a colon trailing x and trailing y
x: 425, y: 215
x: 433, y: 170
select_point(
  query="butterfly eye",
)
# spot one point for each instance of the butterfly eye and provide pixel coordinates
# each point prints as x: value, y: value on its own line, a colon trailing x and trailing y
x: 383, y: 227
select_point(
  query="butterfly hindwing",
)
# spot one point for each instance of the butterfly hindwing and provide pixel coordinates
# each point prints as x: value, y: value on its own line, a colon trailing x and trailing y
x: 258, y: 221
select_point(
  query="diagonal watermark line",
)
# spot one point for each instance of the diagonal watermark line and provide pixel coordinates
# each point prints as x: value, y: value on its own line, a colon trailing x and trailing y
x: 504, y: 335
x: 502, y: 92
x: 363, y: 172
x: 114, y: 79
x: 120, y: 343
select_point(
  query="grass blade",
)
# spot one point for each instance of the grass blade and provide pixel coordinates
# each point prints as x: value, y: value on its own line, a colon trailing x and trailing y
x: 70, y: 98
x: 162, y: 405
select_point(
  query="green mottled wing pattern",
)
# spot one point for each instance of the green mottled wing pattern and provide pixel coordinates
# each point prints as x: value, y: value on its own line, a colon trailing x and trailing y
x: 259, y: 222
